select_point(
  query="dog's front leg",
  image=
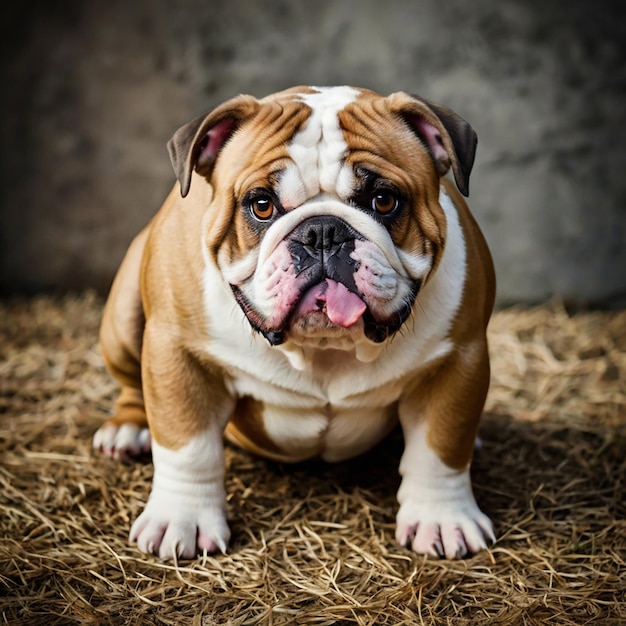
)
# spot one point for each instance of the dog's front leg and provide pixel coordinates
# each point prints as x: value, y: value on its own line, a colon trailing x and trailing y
x: 438, y: 513
x: 187, y: 408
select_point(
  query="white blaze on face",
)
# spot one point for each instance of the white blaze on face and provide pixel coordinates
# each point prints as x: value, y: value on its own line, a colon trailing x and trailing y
x: 318, y: 150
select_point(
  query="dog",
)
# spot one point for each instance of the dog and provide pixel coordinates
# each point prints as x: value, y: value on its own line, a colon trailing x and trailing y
x: 311, y: 281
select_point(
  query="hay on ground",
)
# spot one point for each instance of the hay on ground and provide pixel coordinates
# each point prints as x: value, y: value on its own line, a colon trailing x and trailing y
x: 314, y: 544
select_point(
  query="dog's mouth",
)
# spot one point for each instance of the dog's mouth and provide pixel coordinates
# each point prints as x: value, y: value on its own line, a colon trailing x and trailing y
x: 328, y: 308
x: 342, y: 307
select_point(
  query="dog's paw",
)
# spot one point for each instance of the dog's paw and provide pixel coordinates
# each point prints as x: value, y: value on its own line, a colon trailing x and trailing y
x: 122, y: 441
x: 445, y: 529
x: 170, y: 531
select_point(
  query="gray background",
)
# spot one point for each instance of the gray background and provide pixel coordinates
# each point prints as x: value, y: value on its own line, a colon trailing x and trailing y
x: 91, y: 91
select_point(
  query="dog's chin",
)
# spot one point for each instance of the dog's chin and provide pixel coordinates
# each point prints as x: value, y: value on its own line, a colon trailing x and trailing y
x: 315, y: 328
x: 313, y: 333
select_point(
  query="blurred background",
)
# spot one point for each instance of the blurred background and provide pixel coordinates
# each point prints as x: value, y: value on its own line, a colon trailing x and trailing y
x: 91, y: 91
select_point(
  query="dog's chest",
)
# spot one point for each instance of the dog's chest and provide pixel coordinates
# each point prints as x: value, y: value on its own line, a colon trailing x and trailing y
x: 330, y: 410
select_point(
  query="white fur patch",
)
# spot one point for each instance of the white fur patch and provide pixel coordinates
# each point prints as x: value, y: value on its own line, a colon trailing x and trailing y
x: 300, y: 432
x: 186, y: 511
x: 122, y: 441
x: 353, y: 432
x: 318, y: 149
x: 438, y: 513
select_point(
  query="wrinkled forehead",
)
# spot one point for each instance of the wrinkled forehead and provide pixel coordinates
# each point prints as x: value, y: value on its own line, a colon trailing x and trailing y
x: 318, y: 149
x: 307, y: 141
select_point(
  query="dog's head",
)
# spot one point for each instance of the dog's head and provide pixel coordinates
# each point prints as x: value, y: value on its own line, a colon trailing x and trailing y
x: 323, y: 211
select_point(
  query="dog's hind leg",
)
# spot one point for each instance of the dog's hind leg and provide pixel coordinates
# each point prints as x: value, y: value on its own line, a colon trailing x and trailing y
x: 126, y: 434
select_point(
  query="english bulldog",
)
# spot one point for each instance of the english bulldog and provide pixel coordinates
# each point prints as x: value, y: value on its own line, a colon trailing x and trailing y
x: 311, y: 281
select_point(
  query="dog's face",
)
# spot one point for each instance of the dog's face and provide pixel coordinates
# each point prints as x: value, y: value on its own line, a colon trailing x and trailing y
x: 323, y: 214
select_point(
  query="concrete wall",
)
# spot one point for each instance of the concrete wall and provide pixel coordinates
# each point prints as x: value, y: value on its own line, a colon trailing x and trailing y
x: 92, y: 90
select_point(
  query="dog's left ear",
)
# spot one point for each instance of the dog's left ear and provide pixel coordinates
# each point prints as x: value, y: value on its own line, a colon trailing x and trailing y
x: 449, y: 138
x: 196, y: 145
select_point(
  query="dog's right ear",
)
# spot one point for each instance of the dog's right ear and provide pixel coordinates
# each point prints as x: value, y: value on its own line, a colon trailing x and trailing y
x: 449, y: 138
x: 196, y: 145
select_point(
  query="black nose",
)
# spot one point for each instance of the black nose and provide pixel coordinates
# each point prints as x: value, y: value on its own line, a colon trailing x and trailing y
x: 322, y: 234
x: 322, y: 246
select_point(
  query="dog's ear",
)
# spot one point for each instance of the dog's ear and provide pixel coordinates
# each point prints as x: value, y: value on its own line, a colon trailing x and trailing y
x: 197, y: 144
x: 449, y: 138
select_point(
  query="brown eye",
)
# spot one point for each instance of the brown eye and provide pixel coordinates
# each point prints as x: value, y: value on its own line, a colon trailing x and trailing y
x: 262, y: 208
x: 384, y: 202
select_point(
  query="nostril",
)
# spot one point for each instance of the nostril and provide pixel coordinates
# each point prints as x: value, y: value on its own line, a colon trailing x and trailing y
x: 312, y: 238
x: 323, y: 235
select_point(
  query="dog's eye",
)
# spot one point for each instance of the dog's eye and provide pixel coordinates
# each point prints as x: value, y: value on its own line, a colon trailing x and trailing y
x: 384, y: 202
x: 262, y: 207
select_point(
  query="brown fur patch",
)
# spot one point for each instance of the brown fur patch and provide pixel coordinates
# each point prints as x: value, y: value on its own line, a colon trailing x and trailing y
x: 246, y: 429
x: 130, y: 409
x: 380, y: 141
x: 249, y: 161
x: 454, y: 397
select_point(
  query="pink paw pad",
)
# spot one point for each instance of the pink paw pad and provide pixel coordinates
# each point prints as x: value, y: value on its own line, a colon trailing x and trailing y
x: 449, y: 539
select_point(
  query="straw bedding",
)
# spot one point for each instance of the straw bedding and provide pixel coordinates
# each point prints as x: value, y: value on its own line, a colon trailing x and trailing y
x: 313, y: 544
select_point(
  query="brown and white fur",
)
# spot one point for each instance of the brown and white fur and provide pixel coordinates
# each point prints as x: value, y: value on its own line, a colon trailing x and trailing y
x: 311, y: 281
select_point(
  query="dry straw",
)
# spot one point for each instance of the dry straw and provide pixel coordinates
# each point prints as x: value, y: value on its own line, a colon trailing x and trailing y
x: 313, y: 544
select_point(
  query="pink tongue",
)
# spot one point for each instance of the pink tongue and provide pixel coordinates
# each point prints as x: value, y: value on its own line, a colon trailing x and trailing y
x: 343, y: 307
